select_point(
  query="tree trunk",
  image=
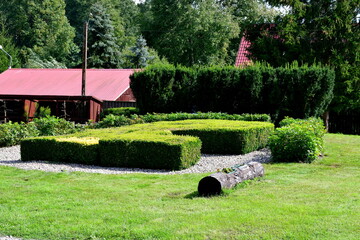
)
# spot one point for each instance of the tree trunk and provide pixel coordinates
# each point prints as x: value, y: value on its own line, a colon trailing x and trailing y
x: 213, y: 184
x: 325, y: 118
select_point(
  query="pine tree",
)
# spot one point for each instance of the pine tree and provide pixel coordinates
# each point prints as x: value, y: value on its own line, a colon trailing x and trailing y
x: 103, y: 50
x: 140, y: 55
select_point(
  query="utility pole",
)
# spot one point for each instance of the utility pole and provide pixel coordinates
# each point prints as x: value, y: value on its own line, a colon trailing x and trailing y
x: 84, y: 63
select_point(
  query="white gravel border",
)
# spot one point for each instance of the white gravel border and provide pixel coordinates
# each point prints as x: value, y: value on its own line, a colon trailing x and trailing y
x: 10, y: 156
x: 9, y: 238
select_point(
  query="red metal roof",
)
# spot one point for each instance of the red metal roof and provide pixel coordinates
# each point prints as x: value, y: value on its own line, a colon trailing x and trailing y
x: 241, y: 58
x: 103, y: 84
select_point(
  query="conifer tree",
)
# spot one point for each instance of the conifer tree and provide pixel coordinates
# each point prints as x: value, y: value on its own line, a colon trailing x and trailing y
x: 103, y: 50
x: 140, y: 55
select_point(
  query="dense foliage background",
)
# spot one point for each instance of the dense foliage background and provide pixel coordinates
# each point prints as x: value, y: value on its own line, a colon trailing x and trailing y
x: 123, y: 34
x: 48, y: 33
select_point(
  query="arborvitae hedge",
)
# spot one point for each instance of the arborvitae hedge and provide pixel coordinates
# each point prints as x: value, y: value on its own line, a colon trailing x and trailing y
x: 294, y: 91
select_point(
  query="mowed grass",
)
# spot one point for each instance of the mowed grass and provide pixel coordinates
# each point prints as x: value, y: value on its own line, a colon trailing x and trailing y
x: 293, y: 201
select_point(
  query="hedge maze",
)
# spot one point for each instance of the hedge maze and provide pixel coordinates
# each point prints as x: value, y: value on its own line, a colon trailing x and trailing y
x: 160, y: 145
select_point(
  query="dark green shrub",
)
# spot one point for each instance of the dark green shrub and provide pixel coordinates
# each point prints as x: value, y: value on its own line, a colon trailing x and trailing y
x: 153, y: 88
x: 169, y: 153
x: 295, y: 91
x: 230, y: 140
x: 122, y: 111
x: 297, y: 140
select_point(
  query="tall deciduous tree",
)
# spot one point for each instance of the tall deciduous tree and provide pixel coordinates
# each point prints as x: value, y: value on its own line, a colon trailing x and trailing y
x: 103, y: 50
x: 40, y: 25
x: 315, y: 31
x: 8, y: 46
x: 190, y: 32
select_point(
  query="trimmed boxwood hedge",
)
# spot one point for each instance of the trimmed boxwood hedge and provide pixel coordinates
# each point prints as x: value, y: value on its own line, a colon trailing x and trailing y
x: 60, y: 150
x: 170, y: 152
x: 154, y: 145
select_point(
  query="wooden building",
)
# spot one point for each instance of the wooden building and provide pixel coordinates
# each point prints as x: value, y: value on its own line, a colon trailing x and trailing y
x: 23, y: 91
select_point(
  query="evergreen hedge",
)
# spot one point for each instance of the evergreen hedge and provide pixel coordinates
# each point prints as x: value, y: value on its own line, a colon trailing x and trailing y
x: 71, y: 150
x: 294, y: 91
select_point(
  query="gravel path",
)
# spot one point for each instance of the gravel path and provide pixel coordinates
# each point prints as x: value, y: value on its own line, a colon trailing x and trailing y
x: 9, y: 238
x: 10, y: 156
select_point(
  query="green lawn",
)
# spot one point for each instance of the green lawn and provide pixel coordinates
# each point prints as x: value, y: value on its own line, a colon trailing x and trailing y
x: 293, y: 201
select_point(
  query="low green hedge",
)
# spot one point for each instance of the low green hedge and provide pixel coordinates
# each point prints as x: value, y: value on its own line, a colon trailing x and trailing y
x: 71, y: 150
x: 121, y: 111
x: 113, y: 120
x: 153, y: 145
x: 298, y: 140
x: 161, y: 152
x: 230, y: 141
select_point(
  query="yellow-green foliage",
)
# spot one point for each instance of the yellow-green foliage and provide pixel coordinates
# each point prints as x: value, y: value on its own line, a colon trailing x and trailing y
x: 83, y: 141
x: 154, y: 145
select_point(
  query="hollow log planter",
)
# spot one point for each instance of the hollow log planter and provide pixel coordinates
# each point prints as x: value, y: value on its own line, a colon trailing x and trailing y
x: 213, y: 184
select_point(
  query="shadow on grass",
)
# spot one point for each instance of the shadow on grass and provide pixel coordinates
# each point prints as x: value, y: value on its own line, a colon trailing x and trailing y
x: 196, y: 194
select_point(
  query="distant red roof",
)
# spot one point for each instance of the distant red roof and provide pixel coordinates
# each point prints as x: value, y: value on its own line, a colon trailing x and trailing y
x: 241, y: 58
x: 102, y: 84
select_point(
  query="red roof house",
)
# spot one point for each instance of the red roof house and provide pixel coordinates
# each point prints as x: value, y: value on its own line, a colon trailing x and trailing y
x: 243, y: 53
x: 60, y: 89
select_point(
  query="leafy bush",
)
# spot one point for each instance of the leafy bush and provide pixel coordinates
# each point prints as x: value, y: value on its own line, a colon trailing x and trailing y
x: 113, y: 121
x: 43, y: 112
x: 122, y: 111
x: 297, y: 140
x: 12, y: 133
x: 52, y: 126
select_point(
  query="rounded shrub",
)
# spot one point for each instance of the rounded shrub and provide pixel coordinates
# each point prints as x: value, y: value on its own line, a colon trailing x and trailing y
x: 52, y: 126
x: 297, y: 140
